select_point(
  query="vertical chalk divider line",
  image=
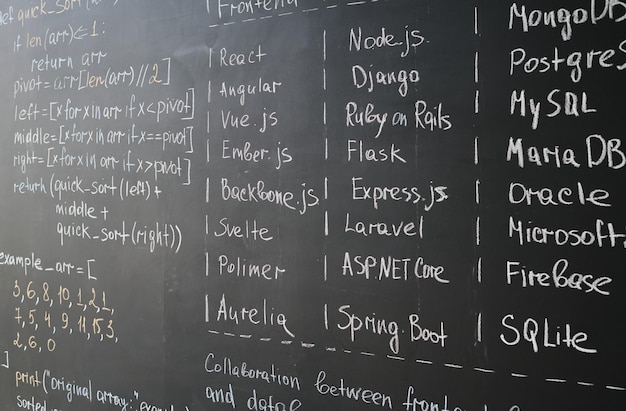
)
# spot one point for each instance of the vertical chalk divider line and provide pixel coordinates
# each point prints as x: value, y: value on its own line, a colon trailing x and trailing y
x: 479, y: 260
x: 325, y: 123
x: 206, y: 308
x: 208, y: 158
x: 206, y: 228
x: 206, y: 193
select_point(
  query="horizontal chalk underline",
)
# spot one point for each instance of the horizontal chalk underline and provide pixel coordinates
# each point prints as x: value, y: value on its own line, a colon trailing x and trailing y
x: 290, y: 13
x: 309, y: 345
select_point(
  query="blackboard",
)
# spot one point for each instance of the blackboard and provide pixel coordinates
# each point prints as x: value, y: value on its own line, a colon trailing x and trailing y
x: 312, y: 205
